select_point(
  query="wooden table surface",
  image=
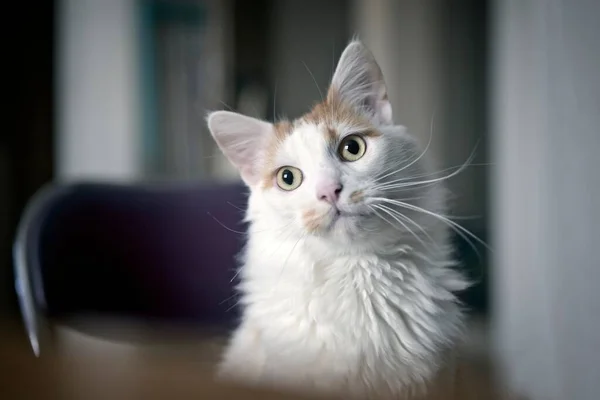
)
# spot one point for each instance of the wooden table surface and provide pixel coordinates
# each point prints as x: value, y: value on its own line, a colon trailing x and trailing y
x: 79, y: 374
x: 66, y: 375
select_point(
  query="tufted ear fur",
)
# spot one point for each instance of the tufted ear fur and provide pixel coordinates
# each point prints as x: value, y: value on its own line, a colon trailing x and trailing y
x: 359, y: 82
x: 242, y: 139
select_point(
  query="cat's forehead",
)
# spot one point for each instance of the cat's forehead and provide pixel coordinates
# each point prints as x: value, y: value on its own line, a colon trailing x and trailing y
x: 325, y: 124
x: 308, y: 142
x: 332, y: 117
x: 307, y: 136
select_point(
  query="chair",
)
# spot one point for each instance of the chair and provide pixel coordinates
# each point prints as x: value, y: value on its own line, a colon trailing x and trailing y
x: 161, y: 253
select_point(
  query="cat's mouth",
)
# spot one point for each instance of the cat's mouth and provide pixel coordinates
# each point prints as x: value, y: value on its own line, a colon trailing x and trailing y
x: 339, y: 214
x: 341, y: 217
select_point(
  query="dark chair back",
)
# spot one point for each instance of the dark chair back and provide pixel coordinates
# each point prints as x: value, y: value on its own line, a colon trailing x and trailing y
x: 159, y: 253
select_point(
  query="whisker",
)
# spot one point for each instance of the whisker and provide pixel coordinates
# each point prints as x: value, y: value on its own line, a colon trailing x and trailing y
x: 462, y: 231
x: 314, y: 80
x: 225, y: 226
x: 396, y: 164
x: 235, y: 275
x: 236, y: 207
x: 452, y: 217
x: 386, y: 210
x: 420, y: 155
x: 226, y: 106
x: 392, y: 185
x: 232, y: 307
x: 245, y: 233
x: 332, y: 59
x: 372, y: 208
x: 286, y: 260
x: 239, y: 269
x: 281, y: 242
x: 462, y: 217
x: 424, y: 175
x: 228, y: 298
x: 275, y: 101
x: 410, y: 220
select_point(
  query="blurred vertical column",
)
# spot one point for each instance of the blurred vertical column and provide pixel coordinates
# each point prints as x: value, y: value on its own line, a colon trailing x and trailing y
x: 546, y: 196
x: 97, y: 135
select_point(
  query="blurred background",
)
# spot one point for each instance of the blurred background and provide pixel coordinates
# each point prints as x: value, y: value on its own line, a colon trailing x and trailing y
x: 117, y: 91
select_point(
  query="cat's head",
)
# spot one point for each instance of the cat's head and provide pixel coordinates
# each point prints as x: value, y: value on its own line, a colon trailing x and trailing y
x: 335, y: 171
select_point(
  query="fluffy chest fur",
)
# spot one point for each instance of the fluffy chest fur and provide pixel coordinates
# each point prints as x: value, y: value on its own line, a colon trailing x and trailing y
x: 360, y: 321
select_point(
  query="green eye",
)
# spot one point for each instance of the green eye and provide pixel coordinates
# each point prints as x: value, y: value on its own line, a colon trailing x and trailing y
x: 352, y: 148
x: 289, y: 178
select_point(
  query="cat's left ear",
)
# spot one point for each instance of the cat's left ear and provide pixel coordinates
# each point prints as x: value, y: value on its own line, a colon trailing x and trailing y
x: 359, y: 82
x: 243, y: 140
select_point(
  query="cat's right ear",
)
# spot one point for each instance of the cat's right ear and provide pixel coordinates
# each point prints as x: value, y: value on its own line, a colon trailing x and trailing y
x: 242, y: 139
x: 359, y: 82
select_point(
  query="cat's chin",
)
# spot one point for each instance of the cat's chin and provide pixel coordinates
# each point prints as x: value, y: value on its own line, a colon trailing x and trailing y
x: 346, y: 226
x: 347, y: 218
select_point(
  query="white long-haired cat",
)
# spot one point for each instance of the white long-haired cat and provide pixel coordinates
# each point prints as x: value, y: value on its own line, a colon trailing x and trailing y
x: 347, y: 282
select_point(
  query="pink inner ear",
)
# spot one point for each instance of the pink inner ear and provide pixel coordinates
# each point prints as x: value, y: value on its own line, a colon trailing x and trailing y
x: 384, y: 109
x: 249, y: 175
x: 246, y: 161
x: 245, y: 154
x: 241, y: 139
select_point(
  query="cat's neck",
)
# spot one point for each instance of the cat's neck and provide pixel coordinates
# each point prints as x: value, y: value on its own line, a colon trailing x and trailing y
x: 273, y: 255
x: 323, y: 249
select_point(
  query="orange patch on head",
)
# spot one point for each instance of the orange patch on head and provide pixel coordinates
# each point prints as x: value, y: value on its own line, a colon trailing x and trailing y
x: 331, y: 134
x: 371, y: 133
x: 311, y: 220
x: 356, y: 196
x: 333, y: 111
x: 281, y: 130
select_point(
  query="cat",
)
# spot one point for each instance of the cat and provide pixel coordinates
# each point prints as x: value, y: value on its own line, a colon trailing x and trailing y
x: 347, y: 283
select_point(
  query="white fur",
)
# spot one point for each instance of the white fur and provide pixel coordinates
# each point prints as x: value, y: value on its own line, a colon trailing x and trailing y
x: 363, y: 305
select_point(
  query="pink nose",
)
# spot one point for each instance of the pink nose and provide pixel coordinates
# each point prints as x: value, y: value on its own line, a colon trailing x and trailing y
x: 329, y: 191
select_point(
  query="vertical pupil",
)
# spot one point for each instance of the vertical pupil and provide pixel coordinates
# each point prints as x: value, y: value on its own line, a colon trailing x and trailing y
x: 288, y: 177
x: 352, y: 147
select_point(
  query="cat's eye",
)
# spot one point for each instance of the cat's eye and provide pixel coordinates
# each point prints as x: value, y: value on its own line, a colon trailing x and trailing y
x: 352, y: 148
x: 289, y: 178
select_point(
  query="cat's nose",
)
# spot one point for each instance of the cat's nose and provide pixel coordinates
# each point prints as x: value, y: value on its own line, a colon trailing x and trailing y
x: 329, y: 191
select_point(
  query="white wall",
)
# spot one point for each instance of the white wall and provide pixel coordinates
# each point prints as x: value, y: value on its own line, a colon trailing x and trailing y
x: 546, y: 196
x: 98, y: 124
